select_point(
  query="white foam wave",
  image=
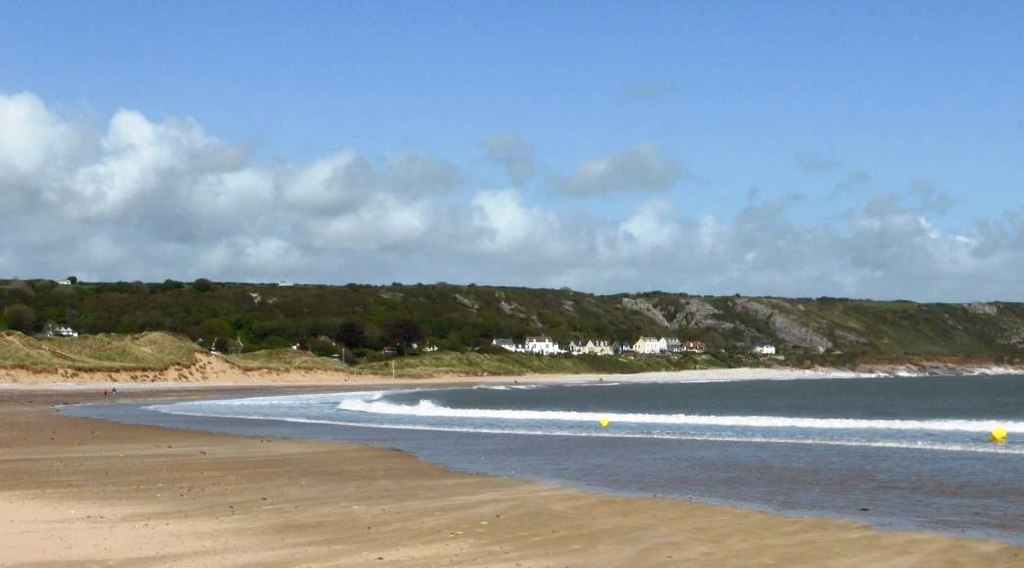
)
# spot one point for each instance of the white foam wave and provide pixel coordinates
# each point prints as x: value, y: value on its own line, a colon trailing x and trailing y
x: 289, y: 400
x: 892, y: 444
x: 427, y: 408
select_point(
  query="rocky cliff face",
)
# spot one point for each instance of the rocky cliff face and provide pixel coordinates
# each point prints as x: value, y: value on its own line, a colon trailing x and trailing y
x: 831, y: 325
x: 645, y: 307
x: 702, y: 315
x: 787, y: 328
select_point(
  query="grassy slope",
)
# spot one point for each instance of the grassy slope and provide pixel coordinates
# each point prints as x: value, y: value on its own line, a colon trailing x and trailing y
x: 283, y: 359
x: 153, y: 350
x: 158, y: 351
x: 144, y: 351
x: 500, y: 364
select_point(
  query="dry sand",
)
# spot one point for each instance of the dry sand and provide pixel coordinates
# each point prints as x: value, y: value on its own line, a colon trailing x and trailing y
x: 79, y: 492
x: 210, y: 369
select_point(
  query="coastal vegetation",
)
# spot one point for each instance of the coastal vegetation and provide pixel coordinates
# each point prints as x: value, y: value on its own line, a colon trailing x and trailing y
x: 363, y: 328
x: 150, y: 351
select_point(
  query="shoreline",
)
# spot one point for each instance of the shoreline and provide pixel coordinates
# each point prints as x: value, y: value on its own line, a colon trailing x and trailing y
x: 120, y: 474
x: 214, y: 372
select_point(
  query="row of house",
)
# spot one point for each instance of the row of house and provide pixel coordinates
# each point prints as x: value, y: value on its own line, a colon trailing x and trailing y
x: 538, y: 345
x: 663, y: 345
x: 543, y: 345
x: 56, y: 330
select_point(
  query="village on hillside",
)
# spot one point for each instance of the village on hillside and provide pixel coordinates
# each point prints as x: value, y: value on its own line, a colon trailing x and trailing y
x: 544, y: 345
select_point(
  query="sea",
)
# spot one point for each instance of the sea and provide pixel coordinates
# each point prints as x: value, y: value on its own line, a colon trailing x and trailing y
x: 895, y: 452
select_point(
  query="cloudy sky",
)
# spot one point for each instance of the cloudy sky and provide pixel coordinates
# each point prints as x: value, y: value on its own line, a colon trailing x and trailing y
x: 859, y: 149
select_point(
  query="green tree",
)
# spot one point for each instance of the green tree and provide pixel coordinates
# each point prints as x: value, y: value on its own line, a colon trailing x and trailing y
x: 212, y: 328
x: 402, y: 333
x: 22, y: 318
x: 322, y: 347
x: 169, y: 285
x: 202, y: 285
x: 21, y: 290
x: 351, y: 335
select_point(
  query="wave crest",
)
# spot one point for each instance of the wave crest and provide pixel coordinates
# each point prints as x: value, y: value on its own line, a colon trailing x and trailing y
x: 427, y: 408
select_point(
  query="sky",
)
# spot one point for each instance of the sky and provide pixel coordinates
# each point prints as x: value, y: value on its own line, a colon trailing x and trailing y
x: 799, y: 149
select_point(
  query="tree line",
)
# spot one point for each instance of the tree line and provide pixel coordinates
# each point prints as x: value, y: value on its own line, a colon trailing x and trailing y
x: 359, y: 319
x: 362, y: 320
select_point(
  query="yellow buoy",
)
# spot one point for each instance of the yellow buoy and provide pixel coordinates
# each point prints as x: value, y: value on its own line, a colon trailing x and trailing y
x: 999, y: 435
x: 603, y: 422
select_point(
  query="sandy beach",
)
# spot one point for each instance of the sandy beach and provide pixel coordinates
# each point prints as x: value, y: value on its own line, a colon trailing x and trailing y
x: 79, y: 492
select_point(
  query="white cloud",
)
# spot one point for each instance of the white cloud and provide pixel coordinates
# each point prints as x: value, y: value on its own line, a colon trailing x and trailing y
x: 420, y: 175
x: 345, y: 180
x: 259, y: 255
x: 380, y: 223
x: 506, y: 226
x: 103, y: 251
x: 651, y: 229
x: 331, y: 183
x: 139, y: 159
x: 516, y: 156
x: 640, y: 168
x: 232, y: 190
x: 150, y: 200
x: 31, y: 136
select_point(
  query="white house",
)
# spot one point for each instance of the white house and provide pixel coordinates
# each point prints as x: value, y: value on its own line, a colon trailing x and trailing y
x: 54, y: 330
x: 542, y: 345
x: 506, y: 344
x: 425, y: 348
x: 673, y: 345
x: 764, y: 349
x: 593, y: 347
x: 651, y: 346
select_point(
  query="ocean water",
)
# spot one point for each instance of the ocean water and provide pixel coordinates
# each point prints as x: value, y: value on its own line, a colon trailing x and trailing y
x: 900, y: 453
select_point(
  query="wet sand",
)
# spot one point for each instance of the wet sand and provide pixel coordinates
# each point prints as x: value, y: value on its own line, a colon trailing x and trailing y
x: 79, y: 492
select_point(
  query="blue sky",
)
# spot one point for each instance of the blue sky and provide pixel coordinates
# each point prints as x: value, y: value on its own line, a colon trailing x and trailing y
x: 790, y: 148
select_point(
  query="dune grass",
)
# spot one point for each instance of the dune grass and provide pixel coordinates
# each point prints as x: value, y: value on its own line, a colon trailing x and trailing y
x: 154, y: 351
x: 148, y: 351
x: 283, y: 359
x: 442, y: 363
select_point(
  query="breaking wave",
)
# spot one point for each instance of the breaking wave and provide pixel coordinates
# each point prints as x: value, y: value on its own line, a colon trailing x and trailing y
x: 427, y: 408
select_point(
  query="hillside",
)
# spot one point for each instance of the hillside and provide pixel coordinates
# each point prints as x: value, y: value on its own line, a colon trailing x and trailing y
x: 163, y: 357
x: 145, y: 351
x: 357, y: 321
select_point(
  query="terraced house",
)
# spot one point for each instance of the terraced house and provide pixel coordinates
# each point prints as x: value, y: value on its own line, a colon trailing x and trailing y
x: 542, y: 345
x: 594, y: 347
x: 651, y: 346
